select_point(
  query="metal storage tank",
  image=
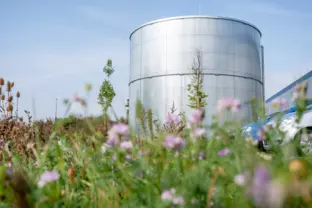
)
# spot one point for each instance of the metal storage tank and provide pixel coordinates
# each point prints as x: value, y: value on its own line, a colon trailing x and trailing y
x: 162, y: 53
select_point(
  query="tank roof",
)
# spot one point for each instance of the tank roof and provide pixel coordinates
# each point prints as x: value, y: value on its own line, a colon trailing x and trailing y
x: 194, y: 17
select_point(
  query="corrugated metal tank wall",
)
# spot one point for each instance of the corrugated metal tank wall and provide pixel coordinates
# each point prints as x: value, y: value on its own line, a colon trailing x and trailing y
x: 162, y: 53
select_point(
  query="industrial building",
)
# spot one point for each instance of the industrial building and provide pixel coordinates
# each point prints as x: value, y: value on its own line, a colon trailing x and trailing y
x: 287, y: 93
x: 162, y: 53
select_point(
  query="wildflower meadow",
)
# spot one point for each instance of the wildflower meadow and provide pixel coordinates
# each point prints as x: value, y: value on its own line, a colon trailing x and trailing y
x: 103, y: 162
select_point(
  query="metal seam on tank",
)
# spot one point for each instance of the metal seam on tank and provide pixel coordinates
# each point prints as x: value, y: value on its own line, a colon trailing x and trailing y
x: 188, y: 74
x: 196, y: 17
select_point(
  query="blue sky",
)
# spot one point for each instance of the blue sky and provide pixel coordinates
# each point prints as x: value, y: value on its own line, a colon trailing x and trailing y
x: 51, y: 48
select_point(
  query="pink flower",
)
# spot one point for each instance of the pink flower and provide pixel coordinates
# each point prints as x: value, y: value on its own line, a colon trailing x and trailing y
x: 224, y: 152
x: 228, y: 104
x: 179, y: 200
x: 197, y: 116
x: 199, y: 132
x: 126, y: 145
x: 240, y: 179
x: 170, y: 195
x: 280, y: 103
x: 167, y: 195
x: 171, y: 118
x: 121, y: 129
x: 174, y: 143
x: 36, y: 164
x: 47, y: 177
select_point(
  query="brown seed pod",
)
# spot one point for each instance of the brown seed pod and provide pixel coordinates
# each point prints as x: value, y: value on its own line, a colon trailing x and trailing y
x: 71, y: 172
x: 10, y: 108
x: 1, y: 81
x: 2, y: 97
x: 0, y: 90
x: 10, y: 99
x: 8, y: 86
x: 18, y: 94
x: 12, y: 84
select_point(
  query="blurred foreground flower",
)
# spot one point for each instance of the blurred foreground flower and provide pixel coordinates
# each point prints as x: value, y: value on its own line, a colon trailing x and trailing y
x: 172, y: 119
x: 240, y: 179
x: 260, y: 184
x: 170, y: 195
x: 228, y: 104
x: 120, y: 129
x: 224, y: 152
x: 196, y: 116
x: 47, y: 177
x: 126, y: 145
x: 300, y: 92
x: 280, y: 103
x: 117, y: 132
x: 174, y: 143
x: 198, y: 132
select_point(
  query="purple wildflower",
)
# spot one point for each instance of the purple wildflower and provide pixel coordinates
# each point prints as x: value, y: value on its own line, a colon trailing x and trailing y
x: 280, y: 103
x: 126, y: 145
x: 240, y: 179
x: 197, y: 116
x: 171, y: 118
x: 167, y: 195
x: 199, y: 132
x: 170, y: 195
x: 9, y: 172
x: 174, y: 143
x: 228, y: 103
x: 179, y: 200
x: 121, y: 129
x: 36, y: 164
x: 260, y: 184
x: 47, y: 177
x: 224, y: 152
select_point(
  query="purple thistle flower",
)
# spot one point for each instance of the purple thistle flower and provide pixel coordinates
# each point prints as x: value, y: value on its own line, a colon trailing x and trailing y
x: 199, y: 132
x: 126, y: 145
x: 121, y: 129
x: 174, y: 143
x: 228, y: 103
x: 197, y: 116
x: 259, y: 186
x: 224, y: 152
x: 171, y: 118
x: 47, y: 177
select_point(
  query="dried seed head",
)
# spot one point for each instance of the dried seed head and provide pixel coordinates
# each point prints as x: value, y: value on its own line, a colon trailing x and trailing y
x: 12, y: 84
x: 10, y: 108
x: 2, y: 97
x: 1, y: 81
x: 10, y: 98
x: 0, y: 90
x: 8, y: 86
x: 18, y: 94
x: 71, y: 172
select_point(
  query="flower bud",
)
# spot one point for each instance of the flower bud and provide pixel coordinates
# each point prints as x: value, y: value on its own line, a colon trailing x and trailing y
x: 10, y: 98
x: 10, y: 108
x: 18, y: 94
